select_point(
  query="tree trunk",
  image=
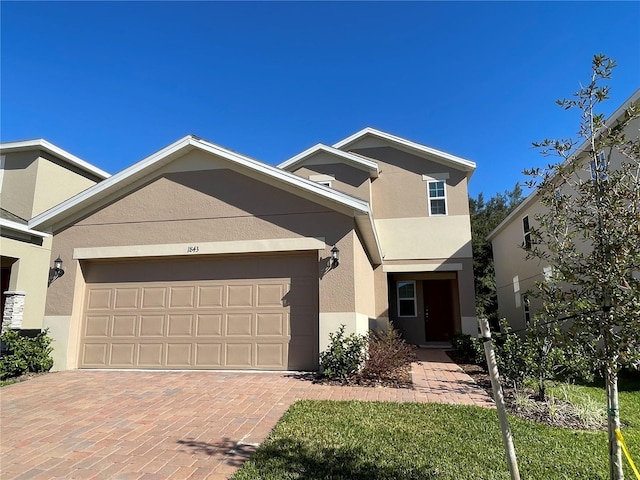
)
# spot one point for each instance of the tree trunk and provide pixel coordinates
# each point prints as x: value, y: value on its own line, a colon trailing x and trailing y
x: 613, y: 423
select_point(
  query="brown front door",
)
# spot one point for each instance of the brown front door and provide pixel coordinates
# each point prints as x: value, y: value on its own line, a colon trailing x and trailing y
x: 439, y: 311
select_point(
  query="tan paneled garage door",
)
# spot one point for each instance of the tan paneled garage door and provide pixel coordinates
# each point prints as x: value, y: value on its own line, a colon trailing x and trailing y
x: 233, y: 312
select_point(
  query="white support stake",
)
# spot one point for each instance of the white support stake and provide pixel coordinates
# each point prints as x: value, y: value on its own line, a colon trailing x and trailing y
x: 507, y: 439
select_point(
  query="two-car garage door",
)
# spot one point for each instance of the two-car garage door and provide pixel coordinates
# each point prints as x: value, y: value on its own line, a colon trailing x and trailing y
x: 232, y: 312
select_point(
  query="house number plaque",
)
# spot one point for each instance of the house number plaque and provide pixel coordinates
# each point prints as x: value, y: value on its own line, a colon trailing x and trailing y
x: 193, y: 249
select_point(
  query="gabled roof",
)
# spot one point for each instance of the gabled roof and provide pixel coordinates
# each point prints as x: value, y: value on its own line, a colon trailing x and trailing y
x: 412, y: 147
x: 357, y: 161
x: 41, y: 144
x: 358, y: 208
x: 530, y: 199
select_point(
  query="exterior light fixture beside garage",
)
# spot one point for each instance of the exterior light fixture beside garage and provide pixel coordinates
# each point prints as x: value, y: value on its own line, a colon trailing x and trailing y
x: 56, y: 271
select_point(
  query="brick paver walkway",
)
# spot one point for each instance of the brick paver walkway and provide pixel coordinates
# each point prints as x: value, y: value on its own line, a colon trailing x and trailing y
x: 178, y: 425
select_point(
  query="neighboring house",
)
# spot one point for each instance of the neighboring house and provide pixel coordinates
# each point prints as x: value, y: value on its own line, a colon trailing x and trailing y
x: 515, y: 274
x: 34, y: 176
x: 198, y: 257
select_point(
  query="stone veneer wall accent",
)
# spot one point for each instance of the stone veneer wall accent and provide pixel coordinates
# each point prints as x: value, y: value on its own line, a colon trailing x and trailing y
x: 13, y: 311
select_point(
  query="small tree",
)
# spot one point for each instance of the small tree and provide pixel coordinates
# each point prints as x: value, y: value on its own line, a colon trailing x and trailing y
x: 589, y: 232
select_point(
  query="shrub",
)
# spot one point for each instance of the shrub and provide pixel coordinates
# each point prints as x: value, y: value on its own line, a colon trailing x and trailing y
x: 513, y: 356
x: 344, y: 356
x: 469, y: 348
x: 388, y: 356
x: 23, y: 354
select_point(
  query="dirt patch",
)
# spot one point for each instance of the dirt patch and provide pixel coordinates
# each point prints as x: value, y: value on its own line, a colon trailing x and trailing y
x: 554, y: 412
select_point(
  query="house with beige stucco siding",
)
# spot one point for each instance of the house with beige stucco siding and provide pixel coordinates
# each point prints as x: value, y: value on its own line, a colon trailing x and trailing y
x: 34, y: 176
x: 515, y: 274
x: 198, y: 257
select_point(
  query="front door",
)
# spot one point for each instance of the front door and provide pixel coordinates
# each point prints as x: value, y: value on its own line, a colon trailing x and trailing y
x: 439, y: 310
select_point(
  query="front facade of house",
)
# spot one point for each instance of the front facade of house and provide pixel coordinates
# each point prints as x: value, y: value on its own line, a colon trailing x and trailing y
x: 516, y: 276
x: 34, y: 176
x: 197, y: 257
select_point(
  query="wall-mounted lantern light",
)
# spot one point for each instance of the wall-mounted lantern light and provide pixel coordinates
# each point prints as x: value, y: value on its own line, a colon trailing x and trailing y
x: 56, y: 271
x: 335, y: 257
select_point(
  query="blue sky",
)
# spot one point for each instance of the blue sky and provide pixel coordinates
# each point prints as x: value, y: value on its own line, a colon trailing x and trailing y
x: 113, y: 82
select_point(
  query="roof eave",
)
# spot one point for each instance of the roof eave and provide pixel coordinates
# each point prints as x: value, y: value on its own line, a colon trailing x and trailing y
x: 365, y: 164
x: 455, y: 161
x: 42, y: 144
x: 18, y: 227
x: 143, y: 167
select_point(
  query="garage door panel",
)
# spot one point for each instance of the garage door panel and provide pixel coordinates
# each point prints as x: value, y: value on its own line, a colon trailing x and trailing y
x: 179, y: 355
x: 211, y: 296
x: 97, y: 326
x: 238, y: 355
x: 209, y: 355
x: 152, y: 325
x: 94, y: 354
x: 270, y: 355
x: 150, y: 354
x: 209, y: 325
x: 239, y: 324
x: 154, y: 297
x: 270, y: 295
x: 99, y: 299
x: 217, y: 318
x: 268, y: 324
x: 182, y: 297
x: 180, y: 325
x: 124, y: 326
x: 122, y: 354
x: 126, y: 298
x: 240, y: 296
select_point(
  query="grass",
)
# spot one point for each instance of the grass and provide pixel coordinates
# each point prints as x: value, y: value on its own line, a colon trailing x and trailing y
x: 376, y: 440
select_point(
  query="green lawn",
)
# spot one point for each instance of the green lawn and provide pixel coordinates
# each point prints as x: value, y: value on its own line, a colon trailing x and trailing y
x: 370, y: 440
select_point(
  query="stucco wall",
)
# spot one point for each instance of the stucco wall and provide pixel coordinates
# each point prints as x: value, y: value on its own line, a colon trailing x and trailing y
x: 400, y: 190
x: 425, y: 237
x: 365, y: 300
x: 19, y: 183
x: 515, y: 275
x: 29, y: 274
x: 348, y: 179
x: 57, y: 182
x: 34, y: 181
x: 209, y: 206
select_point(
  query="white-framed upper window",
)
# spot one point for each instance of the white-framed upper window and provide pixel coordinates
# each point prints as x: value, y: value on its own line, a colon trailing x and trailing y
x: 407, y: 306
x: 526, y: 231
x: 437, y: 192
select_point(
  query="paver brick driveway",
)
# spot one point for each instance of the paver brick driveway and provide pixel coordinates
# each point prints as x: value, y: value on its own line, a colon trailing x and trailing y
x: 158, y: 425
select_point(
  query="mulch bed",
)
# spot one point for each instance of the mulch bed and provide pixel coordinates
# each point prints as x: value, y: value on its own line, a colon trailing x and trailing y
x: 401, y: 379
x: 564, y: 413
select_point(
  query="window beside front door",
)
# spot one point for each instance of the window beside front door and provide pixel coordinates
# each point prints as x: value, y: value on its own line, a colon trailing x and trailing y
x: 437, y: 198
x: 407, y: 299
